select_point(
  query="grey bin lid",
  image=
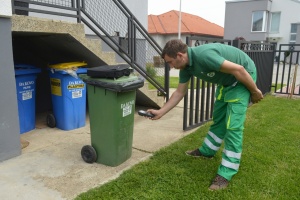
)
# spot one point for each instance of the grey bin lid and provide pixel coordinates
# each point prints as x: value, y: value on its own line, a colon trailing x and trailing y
x: 122, y: 84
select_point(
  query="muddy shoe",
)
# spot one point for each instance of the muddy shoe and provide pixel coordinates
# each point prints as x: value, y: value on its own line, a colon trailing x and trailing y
x: 196, y: 153
x: 219, y: 183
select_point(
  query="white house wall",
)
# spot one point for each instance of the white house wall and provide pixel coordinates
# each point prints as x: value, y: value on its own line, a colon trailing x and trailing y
x: 289, y: 14
x: 139, y: 9
x: 238, y: 19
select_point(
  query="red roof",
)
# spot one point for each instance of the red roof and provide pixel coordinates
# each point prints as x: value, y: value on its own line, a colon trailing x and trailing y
x: 167, y: 23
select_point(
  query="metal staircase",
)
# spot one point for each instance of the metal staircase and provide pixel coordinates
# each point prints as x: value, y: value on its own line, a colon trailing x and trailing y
x: 111, y: 22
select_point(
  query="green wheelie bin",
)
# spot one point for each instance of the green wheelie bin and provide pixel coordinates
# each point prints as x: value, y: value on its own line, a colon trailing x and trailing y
x: 111, y: 106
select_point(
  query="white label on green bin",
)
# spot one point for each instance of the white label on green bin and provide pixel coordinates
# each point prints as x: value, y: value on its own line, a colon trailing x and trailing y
x: 27, y: 95
x: 127, y: 108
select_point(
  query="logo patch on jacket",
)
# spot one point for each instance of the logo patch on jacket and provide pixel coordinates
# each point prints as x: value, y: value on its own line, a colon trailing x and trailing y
x: 211, y: 74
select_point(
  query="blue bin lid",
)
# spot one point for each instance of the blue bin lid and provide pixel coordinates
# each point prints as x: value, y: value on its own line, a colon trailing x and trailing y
x: 22, y: 69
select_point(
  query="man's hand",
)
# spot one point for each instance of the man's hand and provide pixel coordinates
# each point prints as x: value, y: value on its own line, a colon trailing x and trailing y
x: 173, y: 101
x: 244, y: 77
x: 256, y: 96
x: 157, y: 114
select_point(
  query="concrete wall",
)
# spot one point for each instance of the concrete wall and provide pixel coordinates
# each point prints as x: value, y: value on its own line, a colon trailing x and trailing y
x: 163, y: 39
x: 10, y: 145
x: 138, y: 8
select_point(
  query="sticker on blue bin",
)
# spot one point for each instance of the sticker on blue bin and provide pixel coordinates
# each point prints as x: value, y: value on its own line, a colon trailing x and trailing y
x: 26, y: 89
x: 55, y: 86
x: 127, y: 108
x: 76, y: 87
x: 76, y: 94
x: 26, y: 95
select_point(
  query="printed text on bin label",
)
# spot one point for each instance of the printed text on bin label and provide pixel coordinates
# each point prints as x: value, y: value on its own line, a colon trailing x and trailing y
x: 26, y: 85
x: 127, y: 108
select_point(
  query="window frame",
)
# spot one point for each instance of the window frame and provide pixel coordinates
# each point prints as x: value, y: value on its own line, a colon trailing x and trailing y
x: 264, y: 22
x: 271, y: 22
x: 293, y: 34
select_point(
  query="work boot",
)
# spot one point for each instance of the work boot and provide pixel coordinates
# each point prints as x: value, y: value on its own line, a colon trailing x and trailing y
x: 196, y: 153
x: 219, y: 183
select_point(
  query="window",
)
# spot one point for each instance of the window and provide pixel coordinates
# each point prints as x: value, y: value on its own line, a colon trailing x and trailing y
x: 259, y: 19
x: 275, y: 21
x: 293, y: 35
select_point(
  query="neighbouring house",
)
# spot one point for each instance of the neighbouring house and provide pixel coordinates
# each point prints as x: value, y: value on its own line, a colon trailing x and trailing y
x: 164, y: 27
x: 274, y: 21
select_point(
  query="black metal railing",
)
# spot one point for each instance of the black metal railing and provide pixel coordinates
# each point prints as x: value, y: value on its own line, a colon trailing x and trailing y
x: 263, y: 56
x: 199, y: 100
x: 106, y: 19
x: 287, y: 73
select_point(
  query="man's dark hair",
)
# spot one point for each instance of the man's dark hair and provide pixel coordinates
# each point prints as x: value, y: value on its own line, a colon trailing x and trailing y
x: 173, y: 47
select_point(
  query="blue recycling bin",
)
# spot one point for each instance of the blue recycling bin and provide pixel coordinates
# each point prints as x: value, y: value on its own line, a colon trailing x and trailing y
x: 25, y: 84
x: 68, y: 95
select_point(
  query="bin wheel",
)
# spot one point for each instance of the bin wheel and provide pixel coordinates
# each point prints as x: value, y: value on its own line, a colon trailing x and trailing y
x: 51, y: 121
x: 88, y: 154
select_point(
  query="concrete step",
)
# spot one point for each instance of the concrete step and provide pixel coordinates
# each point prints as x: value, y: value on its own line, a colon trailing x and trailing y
x: 23, y: 24
x: 149, y: 97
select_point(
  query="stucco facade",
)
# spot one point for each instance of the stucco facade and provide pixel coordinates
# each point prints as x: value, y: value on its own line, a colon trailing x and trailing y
x: 238, y: 19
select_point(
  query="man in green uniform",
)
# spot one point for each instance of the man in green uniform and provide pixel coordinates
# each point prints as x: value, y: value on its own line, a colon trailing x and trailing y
x: 235, y: 74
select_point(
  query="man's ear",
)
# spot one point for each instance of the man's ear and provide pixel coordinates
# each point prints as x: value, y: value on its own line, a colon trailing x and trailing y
x: 179, y: 54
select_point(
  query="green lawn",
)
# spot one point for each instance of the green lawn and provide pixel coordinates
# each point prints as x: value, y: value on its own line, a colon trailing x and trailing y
x: 269, y: 167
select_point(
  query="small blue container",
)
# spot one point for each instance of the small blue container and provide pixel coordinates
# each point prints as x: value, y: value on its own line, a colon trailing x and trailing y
x: 68, y: 99
x: 25, y: 84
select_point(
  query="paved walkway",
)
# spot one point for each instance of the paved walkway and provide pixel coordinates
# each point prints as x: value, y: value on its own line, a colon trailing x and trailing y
x: 51, y: 167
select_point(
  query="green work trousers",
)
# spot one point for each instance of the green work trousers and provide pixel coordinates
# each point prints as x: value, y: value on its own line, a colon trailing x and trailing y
x: 229, y: 115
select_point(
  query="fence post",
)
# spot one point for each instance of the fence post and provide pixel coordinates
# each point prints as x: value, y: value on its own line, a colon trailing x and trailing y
x: 236, y: 43
x: 78, y: 7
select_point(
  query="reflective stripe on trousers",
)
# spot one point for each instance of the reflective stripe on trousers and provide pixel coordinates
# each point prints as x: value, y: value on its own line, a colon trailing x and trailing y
x: 228, y: 124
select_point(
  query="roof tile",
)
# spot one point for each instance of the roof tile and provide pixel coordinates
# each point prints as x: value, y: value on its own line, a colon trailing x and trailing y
x: 167, y: 23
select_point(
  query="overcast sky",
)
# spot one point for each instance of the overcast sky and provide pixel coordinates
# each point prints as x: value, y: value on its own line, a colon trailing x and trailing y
x: 211, y: 10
